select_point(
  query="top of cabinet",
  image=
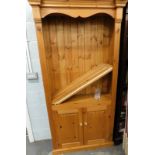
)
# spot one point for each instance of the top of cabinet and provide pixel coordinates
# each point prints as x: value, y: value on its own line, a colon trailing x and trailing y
x: 78, y: 3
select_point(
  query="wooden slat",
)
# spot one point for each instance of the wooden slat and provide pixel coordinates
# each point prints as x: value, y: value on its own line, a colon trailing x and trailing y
x: 68, y: 50
x: 55, y: 65
x: 60, y: 48
x: 93, y: 51
x: 75, y: 51
x: 82, y: 82
x: 81, y: 48
x: 101, y: 144
x: 87, y: 53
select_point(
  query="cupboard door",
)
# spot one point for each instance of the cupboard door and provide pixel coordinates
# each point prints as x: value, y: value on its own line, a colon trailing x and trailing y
x: 68, y: 128
x: 96, y: 125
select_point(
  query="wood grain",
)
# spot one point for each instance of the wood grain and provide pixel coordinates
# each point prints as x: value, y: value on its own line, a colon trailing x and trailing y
x: 75, y: 46
x: 117, y: 30
x: 65, y: 120
x: 82, y: 82
x: 96, y: 128
x: 82, y: 101
x: 77, y: 113
x: 71, y: 50
x: 82, y: 147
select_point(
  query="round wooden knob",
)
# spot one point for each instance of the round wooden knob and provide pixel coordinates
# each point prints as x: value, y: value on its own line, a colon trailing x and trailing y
x: 85, y: 123
x: 81, y: 124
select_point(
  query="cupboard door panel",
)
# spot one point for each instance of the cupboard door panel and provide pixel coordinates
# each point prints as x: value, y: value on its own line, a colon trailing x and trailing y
x: 69, y: 128
x: 96, y: 125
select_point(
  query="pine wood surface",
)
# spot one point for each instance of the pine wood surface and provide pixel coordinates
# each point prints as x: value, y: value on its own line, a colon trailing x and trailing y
x: 76, y: 46
x: 82, y: 82
x: 64, y: 121
x: 88, y: 118
x: 81, y: 101
x: 79, y: 3
x: 69, y: 48
x: 96, y: 124
x: 82, y: 147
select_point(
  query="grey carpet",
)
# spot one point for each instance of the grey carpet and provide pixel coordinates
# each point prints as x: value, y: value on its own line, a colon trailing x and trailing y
x: 44, y: 148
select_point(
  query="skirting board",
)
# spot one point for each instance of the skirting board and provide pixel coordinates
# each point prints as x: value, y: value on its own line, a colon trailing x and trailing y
x: 79, y: 148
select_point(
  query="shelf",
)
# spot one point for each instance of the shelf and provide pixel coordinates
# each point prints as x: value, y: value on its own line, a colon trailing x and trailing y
x: 81, y: 101
x: 82, y: 82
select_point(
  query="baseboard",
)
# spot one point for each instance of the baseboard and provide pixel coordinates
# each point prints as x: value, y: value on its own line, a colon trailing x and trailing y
x: 83, y: 147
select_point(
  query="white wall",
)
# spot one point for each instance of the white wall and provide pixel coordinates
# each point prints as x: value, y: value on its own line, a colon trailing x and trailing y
x: 35, y: 92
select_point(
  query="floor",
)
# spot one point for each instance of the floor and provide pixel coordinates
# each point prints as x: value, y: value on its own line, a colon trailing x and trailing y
x: 38, y: 148
x: 44, y: 148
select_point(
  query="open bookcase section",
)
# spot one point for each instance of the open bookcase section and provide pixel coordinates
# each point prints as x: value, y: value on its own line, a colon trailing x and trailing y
x: 81, y: 101
x: 73, y: 48
x: 82, y: 82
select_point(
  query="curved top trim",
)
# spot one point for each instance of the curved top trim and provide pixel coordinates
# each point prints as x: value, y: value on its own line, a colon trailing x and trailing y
x: 84, y: 13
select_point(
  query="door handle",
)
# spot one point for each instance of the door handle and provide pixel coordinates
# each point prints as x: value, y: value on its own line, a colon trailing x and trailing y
x: 85, y: 123
x: 80, y: 123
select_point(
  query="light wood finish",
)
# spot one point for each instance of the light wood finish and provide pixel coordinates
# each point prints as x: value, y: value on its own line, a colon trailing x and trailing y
x: 83, y: 114
x: 82, y: 101
x: 79, y: 3
x: 46, y: 81
x: 82, y: 82
x: 96, y: 124
x: 82, y: 147
x: 116, y: 42
x: 76, y: 12
x: 68, y: 125
x: 74, y: 48
x: 74, y: 37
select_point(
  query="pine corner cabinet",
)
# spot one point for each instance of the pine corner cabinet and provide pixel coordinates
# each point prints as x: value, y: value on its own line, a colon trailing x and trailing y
x: 78, y: 44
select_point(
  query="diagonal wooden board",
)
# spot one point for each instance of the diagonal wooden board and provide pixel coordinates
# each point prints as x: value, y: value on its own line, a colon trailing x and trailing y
x: 82, y: 82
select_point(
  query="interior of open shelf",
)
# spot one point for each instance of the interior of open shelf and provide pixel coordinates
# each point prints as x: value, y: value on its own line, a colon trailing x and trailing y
x: 84, y: 100
x: 79, y: 54
x: 82, y: 82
